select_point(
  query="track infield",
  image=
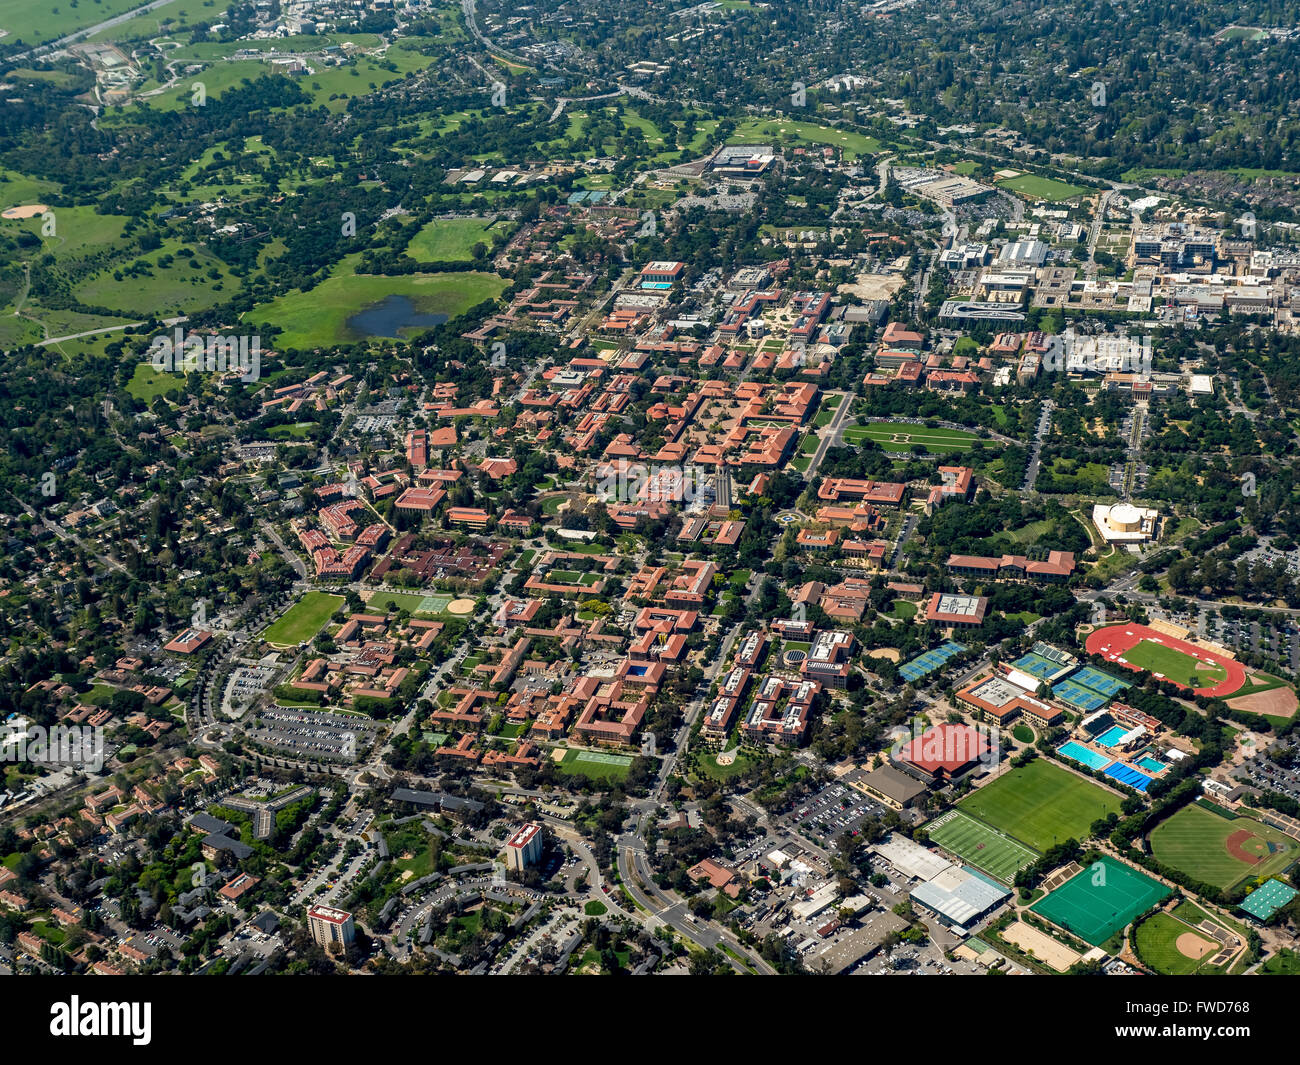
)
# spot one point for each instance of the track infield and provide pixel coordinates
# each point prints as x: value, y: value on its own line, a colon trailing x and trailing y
x: 1041, y: 804
x: 1098, y: 902
x: 1142, y: 649
x: 1219, y: 850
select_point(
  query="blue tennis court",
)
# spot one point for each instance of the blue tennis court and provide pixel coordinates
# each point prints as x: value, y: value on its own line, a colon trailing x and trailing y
x: 1079, y: 753
x: 1112, y: 736
x: 1036, y: 665
x: 1077, y: 695
x: 928, y: 661
x: 1090, y: 677
x: 1127, y: 775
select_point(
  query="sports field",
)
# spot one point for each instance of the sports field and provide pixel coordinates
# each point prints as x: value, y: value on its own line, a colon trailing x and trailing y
x: 303, y: 620
x: 1033, y: 187
x: 1178, y: 667
x: 976, y: 843
x: 1098, y: 902
x: 1041, y: 804
x: 1173, y: 948
x: 595, y: 764
x: 1138, y: 647
x: 1219, y: 850
x: 898, y: 437
x: 450, y: 240
x: 412, y: 601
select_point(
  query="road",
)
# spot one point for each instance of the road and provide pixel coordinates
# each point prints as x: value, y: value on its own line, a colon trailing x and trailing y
x: 830, y: 434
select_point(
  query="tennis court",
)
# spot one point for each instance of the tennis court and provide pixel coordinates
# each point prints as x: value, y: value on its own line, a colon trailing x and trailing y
x: 1128, y: 775
x: 1036, y: 665
x: 928, y: 661
x: 1076, y: 752
x: 1101, y: 900
x: 980, y: 845
x: 1093, y: 678
x: 1077, y: 695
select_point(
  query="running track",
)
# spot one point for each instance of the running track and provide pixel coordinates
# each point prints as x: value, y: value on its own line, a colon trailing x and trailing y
x: 1114, y: 640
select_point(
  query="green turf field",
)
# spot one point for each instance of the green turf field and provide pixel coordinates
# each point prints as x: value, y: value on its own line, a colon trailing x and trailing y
x: 978, y: 844
x: 1040, y: 188
x: 415, y: 602
x: 1041, y: 804
x: 898, y: 437
x: 303, y: 620
x: 1179, y: 667
x: 1195, y: 841
x: 595, y: 764
x: 1098, y: 902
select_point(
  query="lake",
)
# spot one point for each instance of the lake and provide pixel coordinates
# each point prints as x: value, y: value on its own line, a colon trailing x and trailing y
x: 388, y: 317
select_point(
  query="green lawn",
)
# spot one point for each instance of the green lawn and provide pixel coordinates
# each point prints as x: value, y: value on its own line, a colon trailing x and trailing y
x: 901, y: 608
x: 900, y: 437
x: 1041, y: 804
x: 446, y: 240
x: 319, y: 317
x: 1179, y: 667
x: 781, y: 131
x: 1033, y: 187
x: 1195, y: 841
x: 303, y: 620
x: 595, y: 764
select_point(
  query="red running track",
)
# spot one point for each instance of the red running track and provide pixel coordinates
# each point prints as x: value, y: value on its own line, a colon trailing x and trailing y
x: 1114, y: 640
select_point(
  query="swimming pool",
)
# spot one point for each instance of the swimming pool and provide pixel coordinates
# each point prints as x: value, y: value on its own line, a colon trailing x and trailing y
x: 1152, y: 765
x: 1112, y: 736
x: 1083, y: 756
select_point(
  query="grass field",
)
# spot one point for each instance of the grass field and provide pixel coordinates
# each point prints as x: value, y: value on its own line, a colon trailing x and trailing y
x: 1098, y: 902
x: 319, y: 317
x: 415, y: 602
x: 1195, y: 840
x: 303, y: 620
x: 1156, y: 939
x: 1041, y: 804
x: 894, y: 437
x: 1178, y: 667
x: 1040, y: 188
x: 446, y: 240
x: 854, y: 145
x: 975, y: 842
x: 595, y: 764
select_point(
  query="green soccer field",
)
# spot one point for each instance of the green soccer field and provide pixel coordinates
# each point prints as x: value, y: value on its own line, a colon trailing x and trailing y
x: 1041, y: 804
x: 303, y: 620
x: 975, y: 842
x: 1195, y: 840
x: 1179, y: 667
x: 1098, y: 902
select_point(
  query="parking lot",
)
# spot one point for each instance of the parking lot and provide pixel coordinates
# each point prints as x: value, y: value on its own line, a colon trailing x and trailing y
x: 314, y: 733
x: 832, y: 812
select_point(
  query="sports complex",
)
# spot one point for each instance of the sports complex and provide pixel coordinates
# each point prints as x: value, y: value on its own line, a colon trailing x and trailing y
x: 1143, y: 649
x: 1008, y: 823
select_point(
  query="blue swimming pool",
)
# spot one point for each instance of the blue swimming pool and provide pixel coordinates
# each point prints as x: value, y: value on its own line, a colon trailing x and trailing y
x: 1112, y: 736
x: 1151, y: 765
x: 1077, y: 752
